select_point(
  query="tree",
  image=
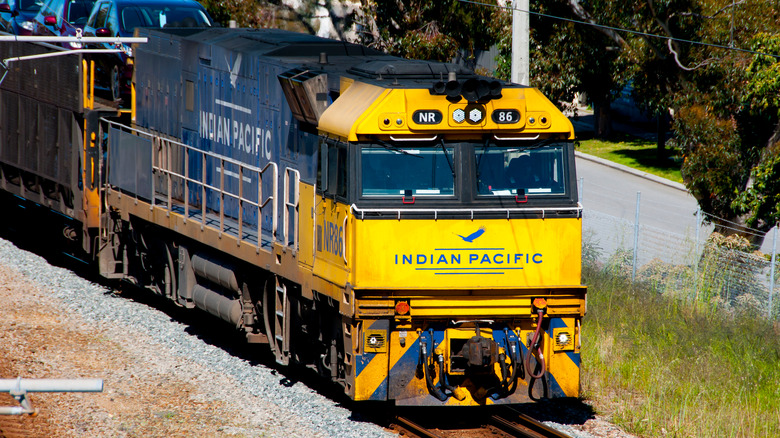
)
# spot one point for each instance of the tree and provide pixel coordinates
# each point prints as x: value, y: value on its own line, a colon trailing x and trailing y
x: 738, y: 92
x: 428, y: 30
x: 278, y: 14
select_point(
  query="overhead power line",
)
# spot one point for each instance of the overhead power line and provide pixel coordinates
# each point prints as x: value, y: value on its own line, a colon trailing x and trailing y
x: 620, y: 29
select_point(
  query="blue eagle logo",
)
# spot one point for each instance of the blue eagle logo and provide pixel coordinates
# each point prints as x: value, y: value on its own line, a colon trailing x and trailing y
x: 473, y: 236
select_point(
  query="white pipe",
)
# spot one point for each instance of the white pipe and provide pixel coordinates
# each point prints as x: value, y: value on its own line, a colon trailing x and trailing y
x: 72, y: 39
x: 20, y: 385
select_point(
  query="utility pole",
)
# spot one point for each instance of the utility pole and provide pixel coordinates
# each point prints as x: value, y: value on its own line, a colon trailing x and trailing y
x: 520, y: 42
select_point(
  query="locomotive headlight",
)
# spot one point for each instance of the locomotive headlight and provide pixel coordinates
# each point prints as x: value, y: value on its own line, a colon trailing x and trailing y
x: 563, y: 339
x: 459, y: 115
x: 475, y: 115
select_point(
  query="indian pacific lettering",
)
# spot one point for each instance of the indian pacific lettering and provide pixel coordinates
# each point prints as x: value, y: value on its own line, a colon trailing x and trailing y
x: 480, y: 259
x: 232, y: 133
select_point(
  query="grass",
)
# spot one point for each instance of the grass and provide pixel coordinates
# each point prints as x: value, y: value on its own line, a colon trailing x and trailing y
x: 636, y: 153
x: 660, y: 366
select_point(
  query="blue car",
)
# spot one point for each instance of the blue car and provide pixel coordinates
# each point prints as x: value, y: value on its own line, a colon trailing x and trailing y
x: 16, y: 16
x: 110, y: 18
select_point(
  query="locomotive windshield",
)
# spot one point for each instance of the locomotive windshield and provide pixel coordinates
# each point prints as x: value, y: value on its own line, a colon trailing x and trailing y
x: 513, y: 170
x: 410, y: 170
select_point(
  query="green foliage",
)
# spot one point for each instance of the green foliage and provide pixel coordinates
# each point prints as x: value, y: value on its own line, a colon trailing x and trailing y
x: 566, y: 58
x: 426, y: 44
x: 761, y: 201
x: 712, y: 167
x: 429, y: 30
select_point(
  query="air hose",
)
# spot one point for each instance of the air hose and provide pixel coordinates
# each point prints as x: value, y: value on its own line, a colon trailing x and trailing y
x: 535, y: 346
x: 425, y: 356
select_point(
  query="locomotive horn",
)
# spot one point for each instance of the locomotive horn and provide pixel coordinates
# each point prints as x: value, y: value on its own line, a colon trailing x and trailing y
x: 453, y: 89
x: 483, y: 89
x: 495, y: 89
x: 470, y: 91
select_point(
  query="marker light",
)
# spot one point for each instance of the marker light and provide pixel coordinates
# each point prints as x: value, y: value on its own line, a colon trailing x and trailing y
x: 540, y: 303
x: 402, y: 308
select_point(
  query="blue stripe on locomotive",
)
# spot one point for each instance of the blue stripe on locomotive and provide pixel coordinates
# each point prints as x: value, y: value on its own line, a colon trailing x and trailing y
x: 239, y: 112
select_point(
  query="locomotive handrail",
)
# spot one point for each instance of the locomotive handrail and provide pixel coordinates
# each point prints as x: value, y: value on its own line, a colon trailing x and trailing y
x: 403, y: 139
x: 291, y: 203
x: 355, y: 209
x: 167, y: 143
x: 344, y: 240
x: 535, y: 137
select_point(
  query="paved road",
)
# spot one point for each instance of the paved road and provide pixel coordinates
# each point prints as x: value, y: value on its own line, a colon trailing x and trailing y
x: 610, y: 191
x: 614, y: 192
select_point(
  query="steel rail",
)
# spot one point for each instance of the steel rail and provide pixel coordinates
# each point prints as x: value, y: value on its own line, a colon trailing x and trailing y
x: 416, y: 428
x: 521, y: 425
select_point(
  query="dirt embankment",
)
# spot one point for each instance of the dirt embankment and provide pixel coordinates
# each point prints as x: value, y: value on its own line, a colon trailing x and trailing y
x: 145, y: 391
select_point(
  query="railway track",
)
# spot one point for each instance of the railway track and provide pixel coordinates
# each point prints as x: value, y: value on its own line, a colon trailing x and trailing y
x: 508, y: 422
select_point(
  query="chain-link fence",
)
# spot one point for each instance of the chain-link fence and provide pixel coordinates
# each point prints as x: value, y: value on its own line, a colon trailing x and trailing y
x: 694, y: 264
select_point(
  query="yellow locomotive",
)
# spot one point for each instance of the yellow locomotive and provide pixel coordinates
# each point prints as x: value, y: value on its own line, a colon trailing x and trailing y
x: 408, y: 229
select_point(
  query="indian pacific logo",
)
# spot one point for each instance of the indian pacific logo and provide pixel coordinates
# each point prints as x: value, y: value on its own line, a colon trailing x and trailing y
x: 234, y: 71
x: 473, y: 236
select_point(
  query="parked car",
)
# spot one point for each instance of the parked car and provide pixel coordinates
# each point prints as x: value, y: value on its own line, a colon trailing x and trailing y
x: 16, y: 16
x: 62, y: 18
x: 110, y: 18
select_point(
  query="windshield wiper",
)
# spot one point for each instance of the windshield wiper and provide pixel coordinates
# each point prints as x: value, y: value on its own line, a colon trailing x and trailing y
x: 536, y: 145
x: 447, y: 156
x: 482, y: 153
x: 392, y: 148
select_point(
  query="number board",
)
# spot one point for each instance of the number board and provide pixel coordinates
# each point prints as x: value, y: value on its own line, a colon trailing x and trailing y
x: 427, y: 117
x: 506, y: 116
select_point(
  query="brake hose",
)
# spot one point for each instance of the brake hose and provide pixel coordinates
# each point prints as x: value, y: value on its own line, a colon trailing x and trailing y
x: 516, y: 366
x: 533, y: 346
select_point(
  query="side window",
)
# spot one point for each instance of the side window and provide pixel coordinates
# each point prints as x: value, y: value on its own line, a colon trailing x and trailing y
x: 322, y: 166
x: 98, y: 19
x: 332, y: 168
x: 78, y: 11
x: 51, y: 8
